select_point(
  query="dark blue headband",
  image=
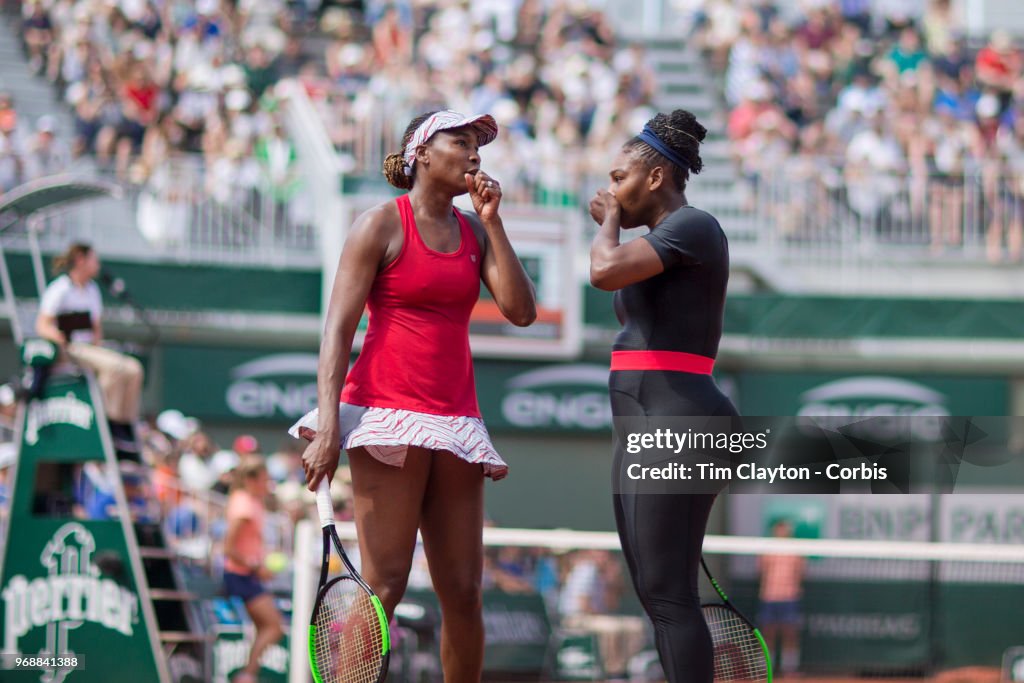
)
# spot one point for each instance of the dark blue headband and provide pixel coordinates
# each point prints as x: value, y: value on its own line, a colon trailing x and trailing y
x: 652, y: 139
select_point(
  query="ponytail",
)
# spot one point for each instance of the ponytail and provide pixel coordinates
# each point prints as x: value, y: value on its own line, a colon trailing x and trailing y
x: 66, y: 261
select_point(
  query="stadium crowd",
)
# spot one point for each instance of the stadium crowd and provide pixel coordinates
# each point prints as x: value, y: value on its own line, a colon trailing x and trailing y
x: 897, y: 112
x: 179, y: 99
x: 151, y: 83
x: 875, y: 110
x: 560, y: 84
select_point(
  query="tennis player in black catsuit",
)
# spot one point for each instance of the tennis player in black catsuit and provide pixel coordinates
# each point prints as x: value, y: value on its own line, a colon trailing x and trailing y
x: 669, y: 296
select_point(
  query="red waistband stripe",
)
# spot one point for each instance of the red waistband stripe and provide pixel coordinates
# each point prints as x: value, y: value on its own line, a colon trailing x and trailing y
x: 675, y: 361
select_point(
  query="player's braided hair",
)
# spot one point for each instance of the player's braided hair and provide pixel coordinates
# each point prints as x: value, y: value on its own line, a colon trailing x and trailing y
x: 681, y: 132
x: 394, y: 164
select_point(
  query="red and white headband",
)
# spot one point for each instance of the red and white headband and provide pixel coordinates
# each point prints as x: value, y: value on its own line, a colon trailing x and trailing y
x: 484, y: 125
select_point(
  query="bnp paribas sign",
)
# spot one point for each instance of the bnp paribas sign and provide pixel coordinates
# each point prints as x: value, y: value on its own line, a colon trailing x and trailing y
x: 558, y: 396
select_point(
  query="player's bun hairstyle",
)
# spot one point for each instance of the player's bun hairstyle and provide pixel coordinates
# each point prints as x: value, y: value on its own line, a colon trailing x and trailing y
x: 681, y: 132
x: 62, y: 263
x: 394, y: 164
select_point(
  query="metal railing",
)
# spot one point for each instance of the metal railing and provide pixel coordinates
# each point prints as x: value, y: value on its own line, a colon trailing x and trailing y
x: 803, y: 207
x: 818, y: 208
x: 813, y: 206
x: 191, y: 209
x: 188, y: 212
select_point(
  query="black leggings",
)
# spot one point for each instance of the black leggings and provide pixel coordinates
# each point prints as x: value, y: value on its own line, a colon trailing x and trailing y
x: 662, y: 534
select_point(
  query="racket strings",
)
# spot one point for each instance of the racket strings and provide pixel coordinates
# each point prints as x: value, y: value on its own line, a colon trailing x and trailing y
x: 349, y: 642
x: 738, y: 652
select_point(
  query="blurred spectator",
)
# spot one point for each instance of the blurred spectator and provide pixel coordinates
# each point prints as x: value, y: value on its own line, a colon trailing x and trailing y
x: 175, y: 425
x: 245, y: 571
x: 592, y: 584
x: 8, y: 446
x: 222, y: 465
x: 1008, y: 211
x: 999, y: 65
x: 286, y: 463
x: 166, y: 487
x: 38, y: 33
x: 139, y: 99
x: 279, y: 163
x: 510, y: 570
x: 96, y: 499
x: 245, y: 444
x: 949, y: 140
x: 863, y: 94
x: 195, y: 467
x: 8, y: 114
x: 11, y: 164
x: 907, y: 54
x: 4, y: 495
x: 717, y: 30
x: 756, y: 100
x: 781, y: 590
x: 898, y: 15
x: 260, y: 71
x: 291, y: 500
x: 873, y: 160
x: 857, y: 13
x: 937, y: 28
x: 46, y: 155
x: 392, y: 37
x: 545, y: 576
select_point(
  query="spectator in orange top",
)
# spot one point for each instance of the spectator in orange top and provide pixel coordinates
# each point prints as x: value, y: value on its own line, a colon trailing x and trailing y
x: 8, y: 114
x: 244, y: 570
x: 781, y: 589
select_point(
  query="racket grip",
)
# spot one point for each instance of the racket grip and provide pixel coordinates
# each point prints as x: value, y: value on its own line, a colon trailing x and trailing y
x: 324, y: 506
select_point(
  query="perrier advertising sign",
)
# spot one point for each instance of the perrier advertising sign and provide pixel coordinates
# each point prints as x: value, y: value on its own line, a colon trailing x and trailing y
x: 73, y: 600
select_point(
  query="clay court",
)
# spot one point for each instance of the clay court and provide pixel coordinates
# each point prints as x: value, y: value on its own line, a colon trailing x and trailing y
x: 966, y: 675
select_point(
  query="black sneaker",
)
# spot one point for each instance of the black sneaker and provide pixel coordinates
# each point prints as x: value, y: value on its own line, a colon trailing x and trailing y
x: 20, y: 391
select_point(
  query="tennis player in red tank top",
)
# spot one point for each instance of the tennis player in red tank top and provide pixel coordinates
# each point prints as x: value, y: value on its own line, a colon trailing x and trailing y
x: 408, y: 416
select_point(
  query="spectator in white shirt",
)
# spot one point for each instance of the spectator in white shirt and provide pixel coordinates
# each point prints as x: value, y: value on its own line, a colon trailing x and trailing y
x: 196, y: 468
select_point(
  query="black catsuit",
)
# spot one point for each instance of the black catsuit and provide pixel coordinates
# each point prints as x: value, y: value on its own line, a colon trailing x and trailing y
x: 679, y: 309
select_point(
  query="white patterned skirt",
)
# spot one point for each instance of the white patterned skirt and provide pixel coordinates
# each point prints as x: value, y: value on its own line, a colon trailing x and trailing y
x: 387, y: 433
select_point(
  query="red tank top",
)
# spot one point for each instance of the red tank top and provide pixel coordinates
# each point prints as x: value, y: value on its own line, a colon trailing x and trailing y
x: 416, y: 352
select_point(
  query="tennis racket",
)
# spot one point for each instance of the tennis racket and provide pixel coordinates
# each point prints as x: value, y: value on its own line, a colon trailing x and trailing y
x: 740, y: 651
x: 348, y: 633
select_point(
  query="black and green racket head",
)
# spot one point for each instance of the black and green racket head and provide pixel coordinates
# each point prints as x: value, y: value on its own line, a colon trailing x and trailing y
x: 348, y: 634
x: 740, y: 651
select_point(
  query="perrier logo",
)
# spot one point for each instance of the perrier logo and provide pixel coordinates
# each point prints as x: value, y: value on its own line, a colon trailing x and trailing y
x: 67, y: 409
x: 71, y: 594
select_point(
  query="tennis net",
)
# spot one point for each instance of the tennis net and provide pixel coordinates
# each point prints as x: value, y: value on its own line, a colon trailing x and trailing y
x: 860, y: 608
